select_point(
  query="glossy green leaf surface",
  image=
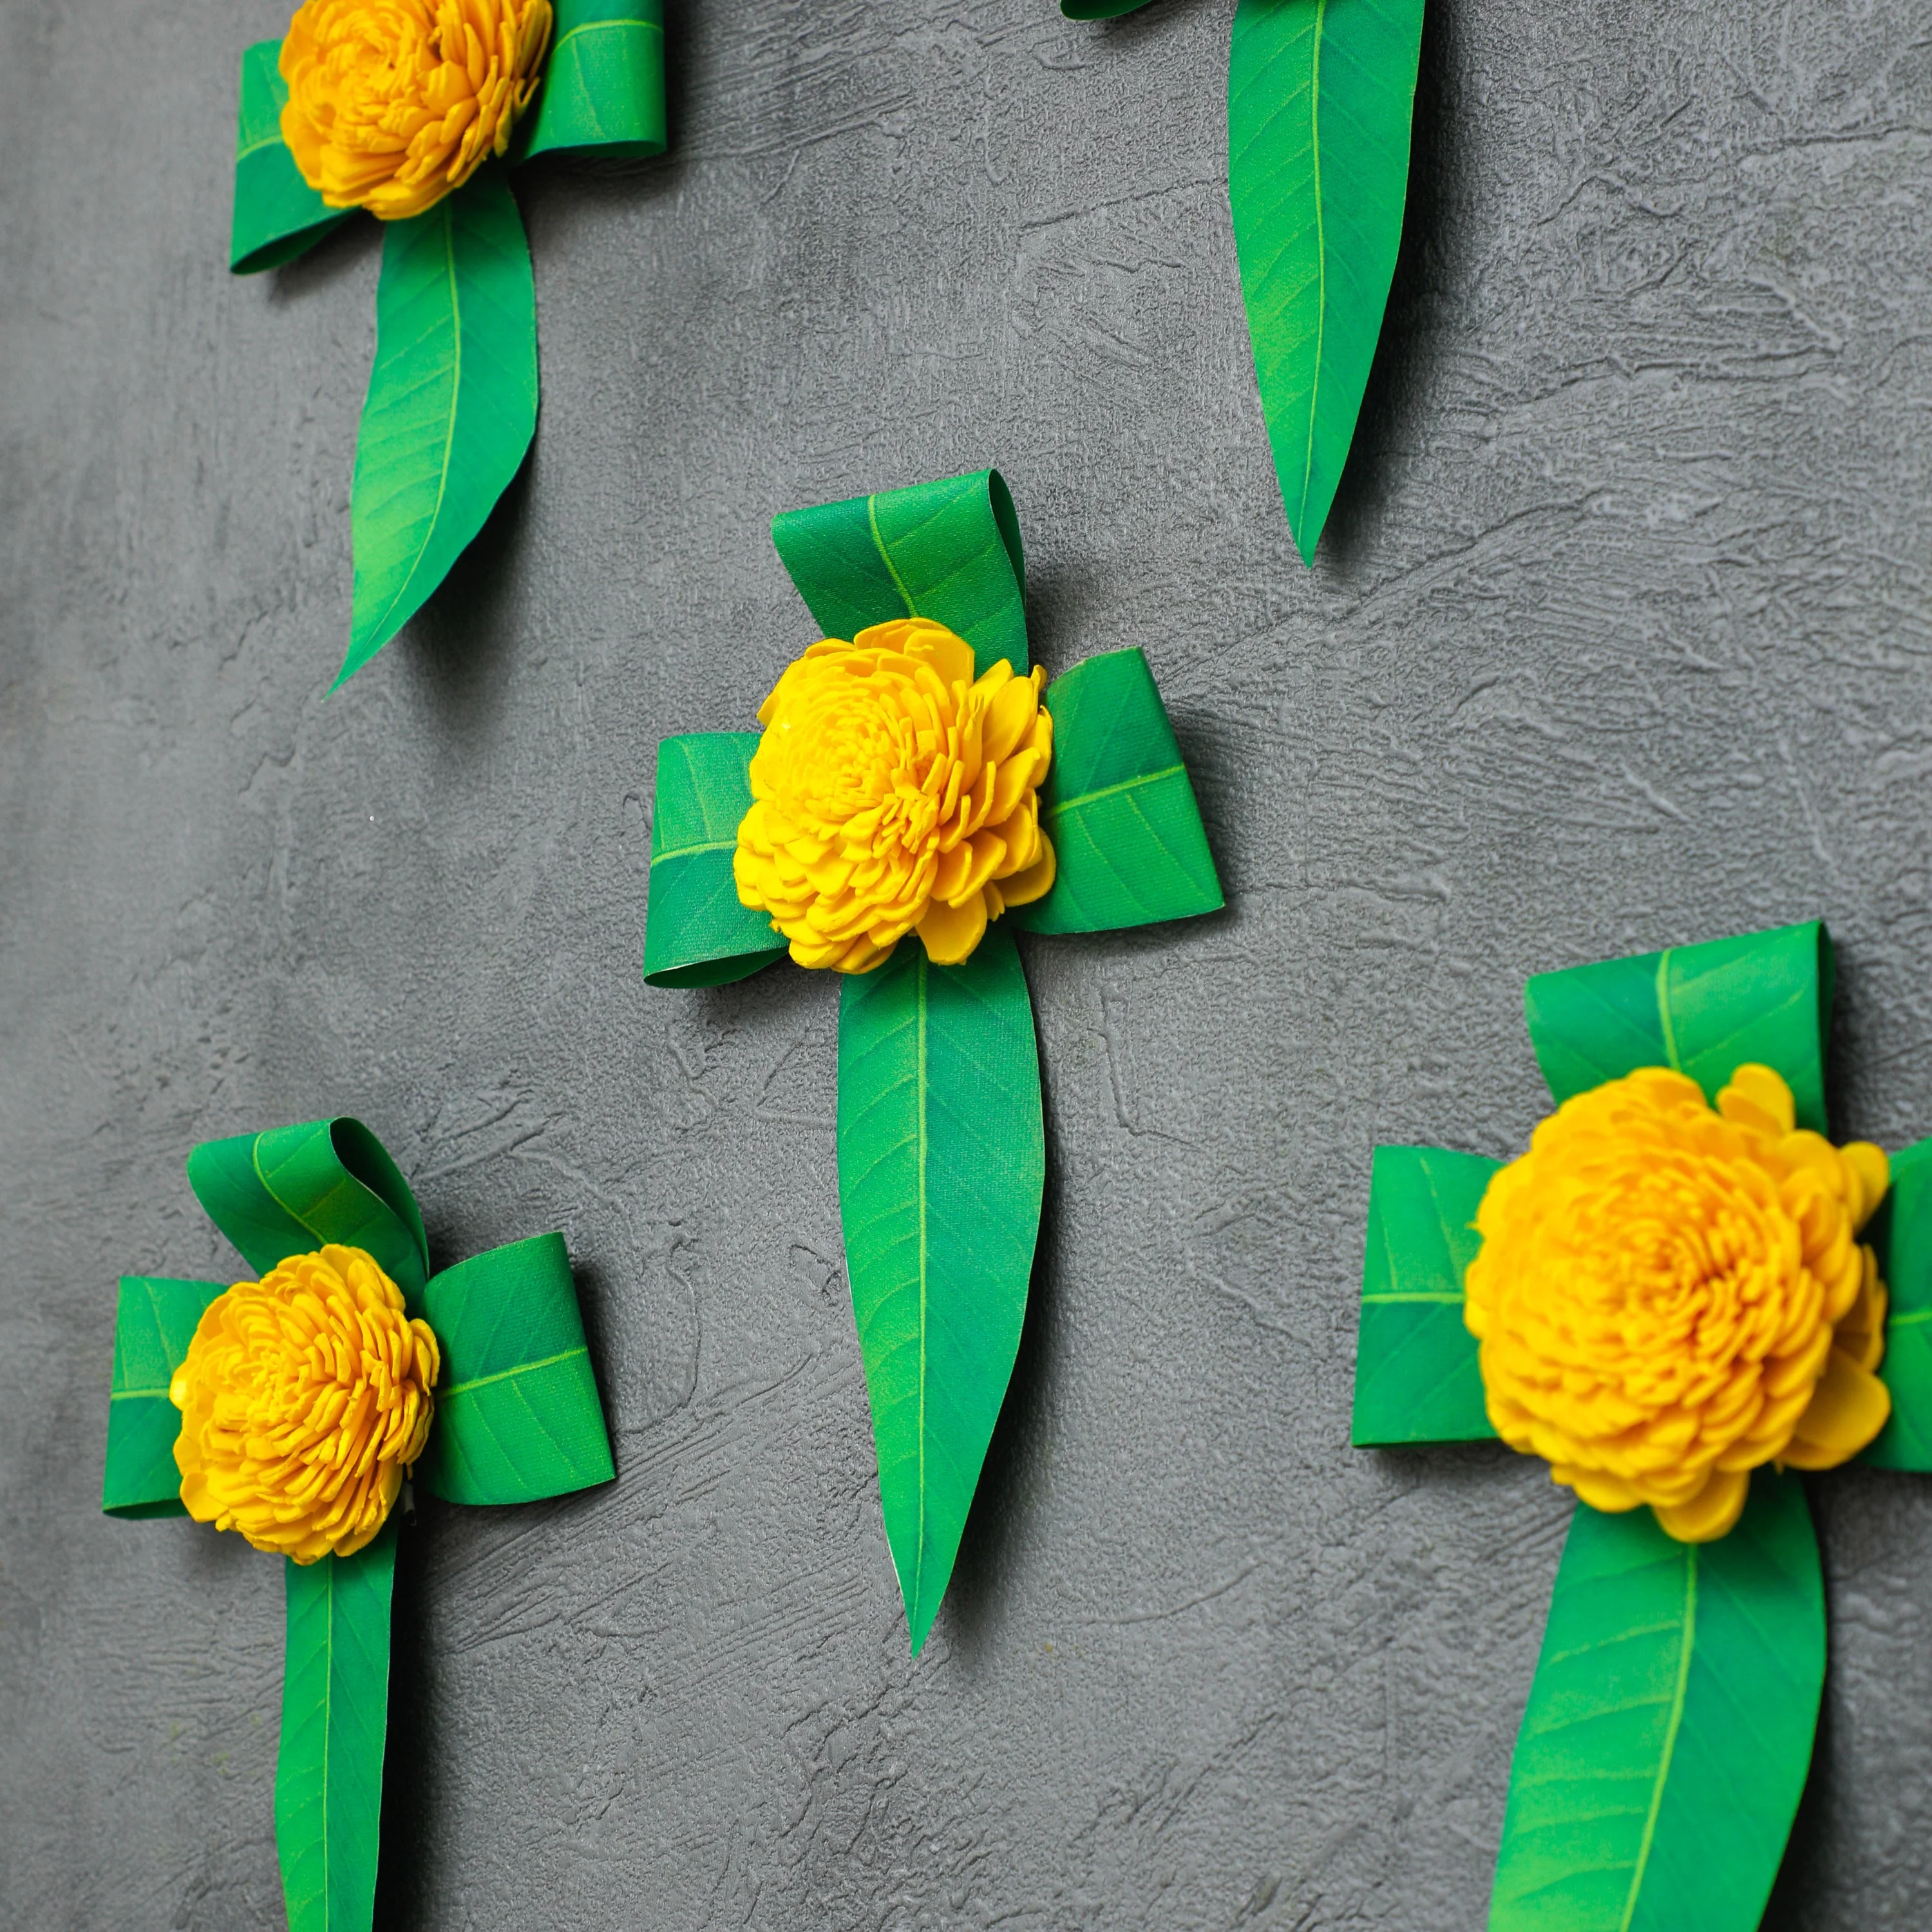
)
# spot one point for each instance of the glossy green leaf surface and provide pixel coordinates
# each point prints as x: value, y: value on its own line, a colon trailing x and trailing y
x: 948, y: 550
x: 1670, y: 1727
x: 1705, y: 1010
x: 698, y: 932
x: 452, y: 401
x: 277, y: 215
x: 153, y: 1323
x: 518, y: 1417
x: 942, y: 1162
x: 292, y: 1189
x: 1902, y: 1233
x: 603, y: 81
x: 1119, y: 807
x: 1416, y: 1374
x: 335, y: 1719
x: 1321, y: 94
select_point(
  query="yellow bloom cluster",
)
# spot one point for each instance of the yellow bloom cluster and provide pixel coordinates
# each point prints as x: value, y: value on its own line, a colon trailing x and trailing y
x: 394, y: 103
x: 893, y: 793
x: 1669, y: 1296
x: 304, y: 1398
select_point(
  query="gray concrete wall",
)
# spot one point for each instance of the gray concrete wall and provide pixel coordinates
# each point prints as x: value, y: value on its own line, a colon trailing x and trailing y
x: 1619, y: 637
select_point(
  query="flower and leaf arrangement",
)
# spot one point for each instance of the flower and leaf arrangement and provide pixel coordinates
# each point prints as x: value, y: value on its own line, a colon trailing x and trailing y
x: 1321, y: 98
x: 1680, y: 1296
x: 918, y: 793
x: 294, y: 1409
x: 415, y: 110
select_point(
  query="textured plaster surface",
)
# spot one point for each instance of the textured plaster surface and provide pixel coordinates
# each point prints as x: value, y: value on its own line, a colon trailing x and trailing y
x: 1619, y: 637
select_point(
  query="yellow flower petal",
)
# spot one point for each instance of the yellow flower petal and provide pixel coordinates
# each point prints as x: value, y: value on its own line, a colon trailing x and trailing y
x: 1709, y: 1514
x: 949, y: 933
x: 1847, y: 1409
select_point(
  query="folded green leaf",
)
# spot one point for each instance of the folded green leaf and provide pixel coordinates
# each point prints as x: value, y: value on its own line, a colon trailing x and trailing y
x: 153, y: 1325
x: 518, y: 1417
x: 949, y: 551
x: 294, y: 1189
x: 1119, y: 807
x: 277, y: 215
x: 603, y: 83
x: 1902, y: 1232
x: 1669, y: 1727
x: 1321, y: 94
x: 335, y: 1719
x: 699, y: 933
x: 942, y: 1162
x: 452, y: 401
x: 1416, y: 1374
x: 1765, y: 997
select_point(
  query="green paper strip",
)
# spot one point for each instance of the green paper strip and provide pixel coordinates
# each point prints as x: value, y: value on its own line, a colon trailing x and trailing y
x: 1902, y: 1232
x: 1320, y: 95
x: 518, y: 1417
x: 1119, y: 807
x: 335, y: 1719
x: 942, y: 1161
x: 277, y: 215
x: 154, y: 1324
x: 291, y: 1190
x: 604, y: 80
x: 949, y: 551
x: 1705, y: 1010
x: 698, y: 932
x: 452, y: 401
x: 1417, y: 1378
x: 1669, y: 1727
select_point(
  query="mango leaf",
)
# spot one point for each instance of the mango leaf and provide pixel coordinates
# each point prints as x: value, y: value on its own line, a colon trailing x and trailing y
x: 949, y: 551
x: 604, y: 84
x: 335, y: 1721
x: 1321, y: 94
x: 277, y: 215
x: 293, y: 1189
x: 1704, y: 1009
x: 942, y: 1160
x: 1669, y: 1727
x: 518, y: 1417
x: 1119, y: 807
x: 1416, y: 1374
x: 452, y: 401
x: 699, y: 933
x: 1902, y: 1233
x: 153, y: 1325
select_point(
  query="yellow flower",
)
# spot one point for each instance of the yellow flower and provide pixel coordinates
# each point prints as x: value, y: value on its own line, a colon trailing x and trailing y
x: 1668, y: 1297
x: 394, y: 103
x: 304, y: 1398
x: 893, y: 793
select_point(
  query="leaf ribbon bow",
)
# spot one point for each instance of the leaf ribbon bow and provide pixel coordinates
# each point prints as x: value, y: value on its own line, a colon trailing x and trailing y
x: 517, y: 1419
x: 452, y: 401
x: 941, y: 1143
x: 1321, y: 96
x: 1669, y: 1727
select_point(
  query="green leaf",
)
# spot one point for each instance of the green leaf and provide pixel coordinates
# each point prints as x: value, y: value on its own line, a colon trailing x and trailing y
x: 335, y: 1719
x: 1669, y: 1727
x: 153, y: 1326
x: 1099, y: 10
x: 604, y: 82
x: 516, y: 1413
x: 942, y: 1160
x: 452, y: 401
x: 949, y: 551
x: 699, y: 933
x: 1119, y: 807
x: 293, y: 1189
x: 277, y: 215
x: 1320, y: 95
x: 1705, y: 1010
x: 1416, y: 1374
x: 1902, y: 1233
